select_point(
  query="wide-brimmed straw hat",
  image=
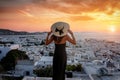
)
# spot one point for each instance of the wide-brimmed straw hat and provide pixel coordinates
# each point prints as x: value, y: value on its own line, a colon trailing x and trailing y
x: 60, y: 29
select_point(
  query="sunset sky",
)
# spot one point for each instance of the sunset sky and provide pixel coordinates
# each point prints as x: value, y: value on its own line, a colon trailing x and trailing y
x: 39, y: 15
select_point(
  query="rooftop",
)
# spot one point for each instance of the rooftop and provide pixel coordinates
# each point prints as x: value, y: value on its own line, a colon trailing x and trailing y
x: 49, y: 78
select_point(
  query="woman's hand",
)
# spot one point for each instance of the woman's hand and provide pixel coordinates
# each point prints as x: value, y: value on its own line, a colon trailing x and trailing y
x: 70, y: 32
x: 49, y: 33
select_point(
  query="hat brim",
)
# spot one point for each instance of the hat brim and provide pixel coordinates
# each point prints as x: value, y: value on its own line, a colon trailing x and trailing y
x: 65, y: 30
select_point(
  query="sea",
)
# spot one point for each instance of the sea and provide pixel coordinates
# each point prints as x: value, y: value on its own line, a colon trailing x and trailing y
x: 99, y: 36
x: 82, y: 35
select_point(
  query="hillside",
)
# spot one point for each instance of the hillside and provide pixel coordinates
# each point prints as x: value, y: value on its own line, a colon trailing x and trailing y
x: 11, y: 32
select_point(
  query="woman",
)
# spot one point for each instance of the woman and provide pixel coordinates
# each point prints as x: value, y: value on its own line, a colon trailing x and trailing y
x: 59, y: 35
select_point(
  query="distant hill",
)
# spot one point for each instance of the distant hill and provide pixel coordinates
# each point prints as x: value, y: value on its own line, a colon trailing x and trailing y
x: 11, y: 32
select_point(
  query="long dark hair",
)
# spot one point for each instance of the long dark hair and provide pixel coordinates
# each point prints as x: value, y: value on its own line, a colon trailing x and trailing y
x: 57, y: 39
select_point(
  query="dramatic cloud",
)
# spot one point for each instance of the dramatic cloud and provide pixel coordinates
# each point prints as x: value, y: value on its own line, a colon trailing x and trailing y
x: 78, y: 6
x: 9, y: 6
x: 14, y: 3
x: 44, y: 12
x: 66, y: 6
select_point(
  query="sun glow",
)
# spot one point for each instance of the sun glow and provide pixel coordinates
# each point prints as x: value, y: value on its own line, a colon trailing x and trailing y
x: 112, y: 28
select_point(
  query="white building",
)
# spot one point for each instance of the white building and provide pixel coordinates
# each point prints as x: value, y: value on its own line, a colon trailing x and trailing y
x: 4, y: 51
x: 24, y: 68
x: 15, y: 46
x: 90, y: 54
x: 91, y: 68
x: 45, y: 61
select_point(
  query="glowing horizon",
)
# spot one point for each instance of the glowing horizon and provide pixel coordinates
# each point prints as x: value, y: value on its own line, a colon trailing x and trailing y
x: 39, y: 15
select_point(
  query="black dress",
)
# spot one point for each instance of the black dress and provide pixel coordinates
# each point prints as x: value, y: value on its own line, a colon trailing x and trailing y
x: 59, y: 62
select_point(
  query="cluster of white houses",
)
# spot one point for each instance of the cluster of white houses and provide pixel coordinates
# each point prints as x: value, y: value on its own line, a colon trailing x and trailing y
x: 92, y: 54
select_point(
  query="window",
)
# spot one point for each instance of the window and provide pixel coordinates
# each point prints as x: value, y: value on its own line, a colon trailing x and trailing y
x: 0, y: 52
x: 27, y: 73
x: 43, y: 67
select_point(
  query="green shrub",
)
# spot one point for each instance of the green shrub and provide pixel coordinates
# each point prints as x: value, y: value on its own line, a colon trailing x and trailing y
x: 44, y: 72
x: 77, y: 67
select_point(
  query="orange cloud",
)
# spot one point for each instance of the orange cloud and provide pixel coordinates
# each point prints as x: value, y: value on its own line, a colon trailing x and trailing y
x: 66, y: 6
x: 81, y: 18
x: 79, y: 6
x: 37, y: 13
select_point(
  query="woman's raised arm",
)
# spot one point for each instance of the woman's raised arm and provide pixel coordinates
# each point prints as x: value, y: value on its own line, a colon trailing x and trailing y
x: 71, y: 40
x: 49, y: 38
